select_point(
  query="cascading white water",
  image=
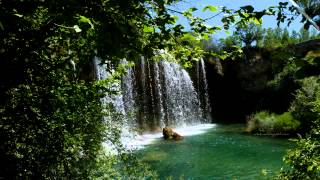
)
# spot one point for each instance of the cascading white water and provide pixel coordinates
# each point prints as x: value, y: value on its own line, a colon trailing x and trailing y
x: 128, y: 93
x: 205, y: 93
x: 158, y: 94
x: 115, y: 98
x: 154, y: 95
x: 182, y: 105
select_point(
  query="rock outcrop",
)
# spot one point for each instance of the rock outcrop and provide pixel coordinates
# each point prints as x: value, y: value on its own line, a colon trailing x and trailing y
x: 168, y: 133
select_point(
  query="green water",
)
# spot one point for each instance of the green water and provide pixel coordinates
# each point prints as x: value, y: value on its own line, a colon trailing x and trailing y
x: 223, y: 152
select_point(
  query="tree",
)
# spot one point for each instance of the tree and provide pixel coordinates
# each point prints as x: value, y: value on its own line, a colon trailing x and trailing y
x: 285, y: 37
x: 308, y: 9
x: 312, y: 9
x: 304, y: 159
x: 249, y: 33
x: 304, y: 35
x: 52, y: 122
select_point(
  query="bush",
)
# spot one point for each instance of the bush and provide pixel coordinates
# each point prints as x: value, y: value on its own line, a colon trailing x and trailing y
x: 265, y: 122
x: 121, y: 166
x: 287, y: 122
x: 304, y: 160
x: 303, y: 107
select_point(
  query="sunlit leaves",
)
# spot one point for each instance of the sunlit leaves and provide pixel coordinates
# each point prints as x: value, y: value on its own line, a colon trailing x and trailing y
x: 77, y: 28
x: 18, y: 15
x: 174, y: 19
x: 148, y: 29
x: 192, y: 9
x: 210, y: 8
x: 304, y: 159
x: 83, y: 19
x: 257, y: 21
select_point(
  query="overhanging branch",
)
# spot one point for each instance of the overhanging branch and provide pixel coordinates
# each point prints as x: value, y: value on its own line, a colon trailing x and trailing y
x: 301, y: 11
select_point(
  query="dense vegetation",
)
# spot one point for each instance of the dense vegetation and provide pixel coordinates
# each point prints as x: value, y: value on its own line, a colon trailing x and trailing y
x: 52, y: 121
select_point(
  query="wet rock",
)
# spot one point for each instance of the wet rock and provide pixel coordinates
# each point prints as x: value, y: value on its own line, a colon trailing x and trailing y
x: 168, y: 133
x: 177, y: 136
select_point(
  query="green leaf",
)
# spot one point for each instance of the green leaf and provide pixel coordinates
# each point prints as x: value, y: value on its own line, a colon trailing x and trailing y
x: 257, y: 21
x: 187, y: 14
x: 205, y: 36
x: 192, y: 9
x: 19, y: 15
x: 76, y: 28
x: 148, y: 29
x: 1, y: 26
x: 188, y: 37
x: 223, y: 56
x: 249, y: 8
x: 83, y: 19
x: 246, y: 15
x: 211, y: 8
x: 175, y: 19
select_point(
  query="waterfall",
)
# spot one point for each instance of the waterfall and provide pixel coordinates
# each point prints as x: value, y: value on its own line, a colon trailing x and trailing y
x: 115, y: 98
x: 204, y: 95
x: 128, y: 92
x: 180, y: 97
x: 158, y: 94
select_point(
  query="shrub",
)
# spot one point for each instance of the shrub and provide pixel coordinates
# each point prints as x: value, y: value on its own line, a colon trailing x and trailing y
x: 265, y: 122
x: 303, y: 107
x: 304, y: 160
x: 287, y: 122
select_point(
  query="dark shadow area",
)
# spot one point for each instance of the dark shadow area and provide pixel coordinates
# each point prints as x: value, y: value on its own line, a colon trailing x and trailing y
x: 238, y: 88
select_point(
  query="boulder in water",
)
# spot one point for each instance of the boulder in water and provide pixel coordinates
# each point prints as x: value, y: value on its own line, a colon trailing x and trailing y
x: 168, y: 133
x: 177, y: 136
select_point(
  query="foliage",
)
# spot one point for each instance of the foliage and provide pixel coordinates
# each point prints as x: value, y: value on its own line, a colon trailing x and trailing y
x: 303, y: 106
x: 112, y: 167
x: 304, y: 160
x: 45, y: 131
x: 308, y: 9
x: 270, y: 38
x: 270, y: 123
x: 250, y: 33
x: 53, y: 123
x: 283, y: 70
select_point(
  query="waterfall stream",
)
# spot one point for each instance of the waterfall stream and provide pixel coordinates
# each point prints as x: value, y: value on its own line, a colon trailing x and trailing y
x: 202, y: 86
x: 158, y: 94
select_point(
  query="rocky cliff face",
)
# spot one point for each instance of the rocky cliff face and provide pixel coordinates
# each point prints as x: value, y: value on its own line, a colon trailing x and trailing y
x: 240, y: 87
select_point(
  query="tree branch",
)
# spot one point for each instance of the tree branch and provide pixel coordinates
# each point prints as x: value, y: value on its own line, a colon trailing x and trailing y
x: 212, y: 16
x: 301, y: 11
